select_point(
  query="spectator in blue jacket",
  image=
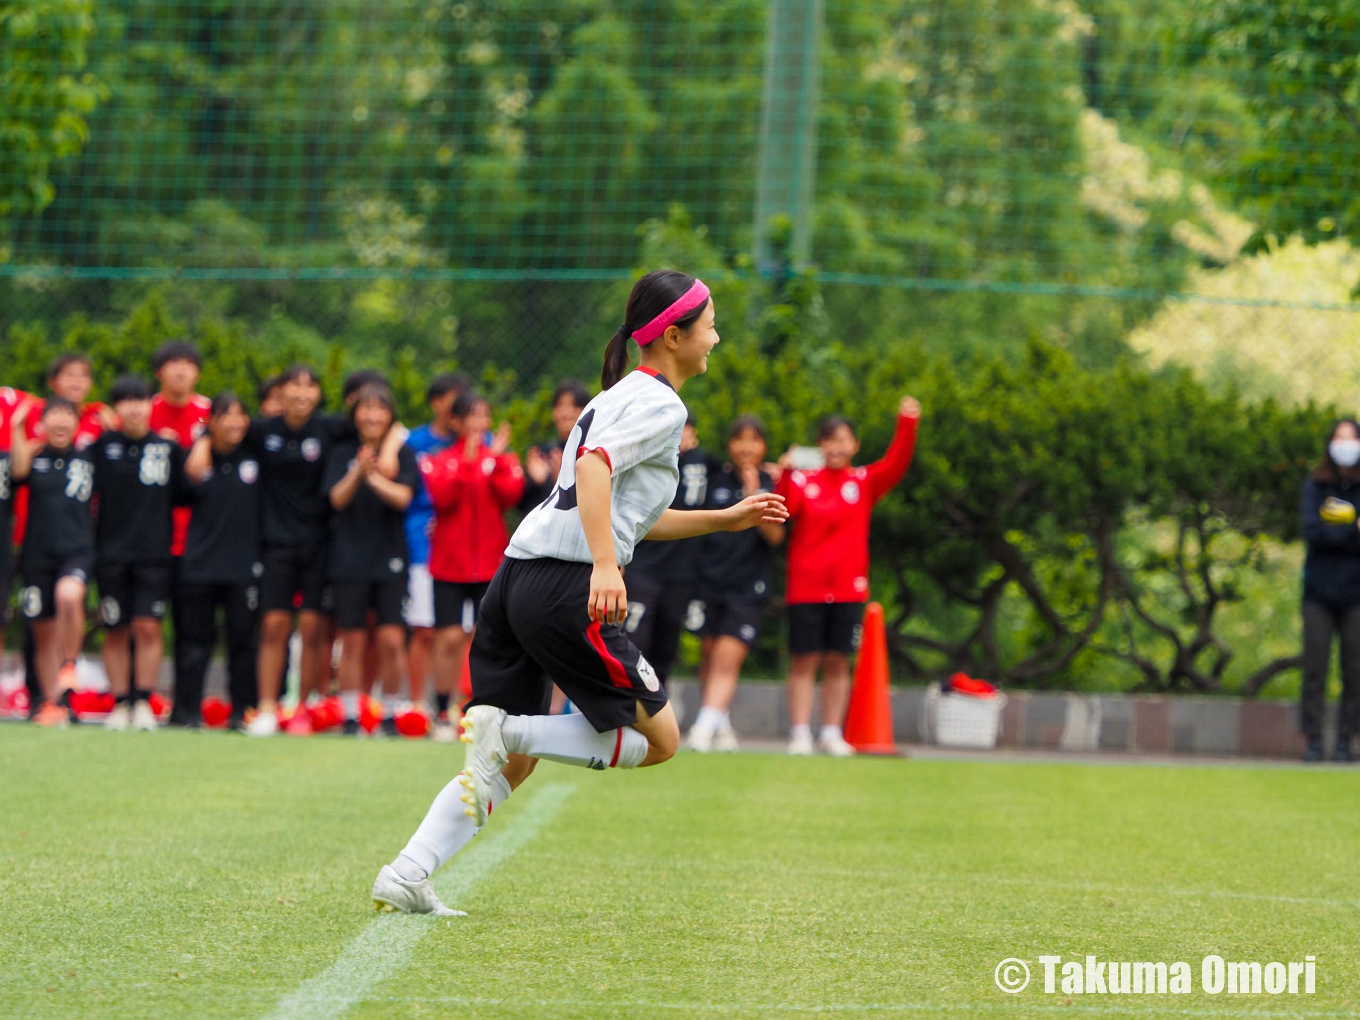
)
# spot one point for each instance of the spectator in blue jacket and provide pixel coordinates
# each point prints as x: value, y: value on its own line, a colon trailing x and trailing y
x: 1331, y: 589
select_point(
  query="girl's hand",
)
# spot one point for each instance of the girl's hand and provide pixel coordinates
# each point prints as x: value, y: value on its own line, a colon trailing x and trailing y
x: 750, y: 479
x: 500, y: 442
x: 608, y: 599
x: 21, y: 414
x: 764, y: 508
x: 909, y: 408
x: 365, y: 460
x: 536, y: 465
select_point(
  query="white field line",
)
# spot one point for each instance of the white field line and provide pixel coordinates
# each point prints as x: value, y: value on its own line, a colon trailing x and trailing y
x: 382, y: 948
x: 1019, y: 1005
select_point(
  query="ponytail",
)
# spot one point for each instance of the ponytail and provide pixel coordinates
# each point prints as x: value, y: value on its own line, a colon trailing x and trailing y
x: 615, y: 359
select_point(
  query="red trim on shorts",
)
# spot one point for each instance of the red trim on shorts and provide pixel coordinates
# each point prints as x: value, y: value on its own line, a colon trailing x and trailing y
x: 612, y: 665
x: 618, y: 745
x: 581, y: 451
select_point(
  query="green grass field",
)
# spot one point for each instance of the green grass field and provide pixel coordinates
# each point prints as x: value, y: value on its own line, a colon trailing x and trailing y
x: 205, y: 875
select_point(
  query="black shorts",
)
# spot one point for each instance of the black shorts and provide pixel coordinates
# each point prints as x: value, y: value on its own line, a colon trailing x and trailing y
x: 291, y: 571
x: 534, y: 623
x: 458, y: 603
x: 354, y: 600
x: 131, y: 590
x: 657, y: 614
x: 36, y: 597
x: 740, y: 620
x: 825, y: 627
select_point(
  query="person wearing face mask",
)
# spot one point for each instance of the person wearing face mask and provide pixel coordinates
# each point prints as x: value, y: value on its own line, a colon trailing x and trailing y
x: 1331, y: 589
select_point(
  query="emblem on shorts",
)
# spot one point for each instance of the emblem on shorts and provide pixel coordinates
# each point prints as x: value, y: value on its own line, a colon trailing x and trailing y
x: 250, y: 471
x: 395, y: 564
x: 850, y: 492
x: 648, y: 674
x: 109, y: 612
x: 760, y: 587
x: 311, y: 449
x: 158, y: 609
x: 748, y: 633
x: 257, y: 570
x: 30, y: 601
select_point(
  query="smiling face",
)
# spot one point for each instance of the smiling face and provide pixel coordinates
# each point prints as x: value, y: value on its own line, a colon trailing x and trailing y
x: 228, y: 429
x: 746, y: 449
x: 564, y: 415
x: 839, y: 448
x: 372, y: 419
x: 60, y: 425
x: 691, y: 346
x: 301, y: 396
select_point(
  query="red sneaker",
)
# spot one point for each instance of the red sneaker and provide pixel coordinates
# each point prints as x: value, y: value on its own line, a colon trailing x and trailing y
x: 300, y: 725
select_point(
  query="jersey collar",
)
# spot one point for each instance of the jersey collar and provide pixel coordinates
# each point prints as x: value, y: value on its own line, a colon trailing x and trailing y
x: 655, y: 375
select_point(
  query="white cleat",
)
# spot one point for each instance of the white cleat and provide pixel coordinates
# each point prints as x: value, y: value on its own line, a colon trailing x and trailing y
x: 392, y: 892
x: 725, y: 739
x: 143, y: 718
x: 486, y: 757
x: 700, y: 739
x: 265, y: 724
x: 120, y: 718
x: 801, y: 744
x: 835, y: 745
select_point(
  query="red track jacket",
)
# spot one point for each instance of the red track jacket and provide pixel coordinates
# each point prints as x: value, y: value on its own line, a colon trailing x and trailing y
x: 830, y: 511
x: 470, y: 499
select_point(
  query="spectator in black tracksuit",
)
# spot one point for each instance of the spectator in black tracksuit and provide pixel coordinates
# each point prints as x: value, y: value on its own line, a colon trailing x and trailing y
x: 1331, y: 589
x: 663, y: 577
x: 542, y: 463
x: 220, y: 568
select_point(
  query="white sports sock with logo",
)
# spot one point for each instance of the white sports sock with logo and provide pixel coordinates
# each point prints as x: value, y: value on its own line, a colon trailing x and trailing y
x: 571, y: 740
x: 445, y: 831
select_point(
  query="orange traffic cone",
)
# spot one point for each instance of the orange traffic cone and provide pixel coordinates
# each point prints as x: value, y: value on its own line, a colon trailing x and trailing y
x: 868, y: 724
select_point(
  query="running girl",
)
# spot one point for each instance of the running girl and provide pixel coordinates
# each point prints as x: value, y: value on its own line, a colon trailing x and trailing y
x: 471, y: 486
x: 368, y: 554
x: 734, y: 574
x: 220, y: 568
x: 829, y: 510
x: 555, y: 606
x: 58, y: 552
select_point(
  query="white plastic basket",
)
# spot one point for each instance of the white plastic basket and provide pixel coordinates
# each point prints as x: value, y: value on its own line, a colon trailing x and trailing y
x: 960, y: 720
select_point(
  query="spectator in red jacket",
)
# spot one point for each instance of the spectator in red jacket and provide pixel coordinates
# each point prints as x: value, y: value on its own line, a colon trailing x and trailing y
x: 471, y: 486
x: 828, y: 577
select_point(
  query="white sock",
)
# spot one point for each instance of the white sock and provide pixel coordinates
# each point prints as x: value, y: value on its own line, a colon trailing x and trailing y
x: 571, y: 740
x: 726, y: 720
x: 801, y: 730
x: 445, y: 831
x: 390, y: 703
x: 709, y: 719
x: 350, y: 701
x: 830, y: 732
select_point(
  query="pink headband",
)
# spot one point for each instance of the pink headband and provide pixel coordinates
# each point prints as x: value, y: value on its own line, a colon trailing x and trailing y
x: 687, y: 302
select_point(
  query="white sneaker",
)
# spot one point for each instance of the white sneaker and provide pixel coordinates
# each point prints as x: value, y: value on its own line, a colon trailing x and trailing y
x: 392, y: 892
x: 265, y: 724
x: 700, y: 739
x: 142, y: 717
x: 725, y: 739
x: 443, y: 732
x: 486, y: 757
x: 801, y: 744
x: 120, y: 718
x: 834, y: 744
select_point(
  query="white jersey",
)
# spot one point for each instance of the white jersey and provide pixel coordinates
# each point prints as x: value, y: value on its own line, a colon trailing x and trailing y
x: 637, y: 425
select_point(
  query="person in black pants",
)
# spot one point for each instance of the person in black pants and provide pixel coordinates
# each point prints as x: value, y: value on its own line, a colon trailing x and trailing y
x: 1331, y: 589
x: 220, y: 568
